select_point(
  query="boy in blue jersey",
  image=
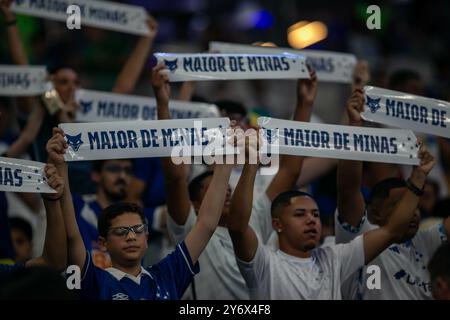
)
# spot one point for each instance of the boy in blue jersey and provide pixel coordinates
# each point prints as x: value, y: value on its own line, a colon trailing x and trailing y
x: 123, y: 233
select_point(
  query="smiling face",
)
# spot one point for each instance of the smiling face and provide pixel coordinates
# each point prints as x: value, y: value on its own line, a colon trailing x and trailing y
x: 125, y: 250
x: 298, y: 224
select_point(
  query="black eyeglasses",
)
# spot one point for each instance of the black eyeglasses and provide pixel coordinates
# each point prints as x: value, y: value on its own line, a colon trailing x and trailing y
x: 123, y: 231
x: 115, y: 168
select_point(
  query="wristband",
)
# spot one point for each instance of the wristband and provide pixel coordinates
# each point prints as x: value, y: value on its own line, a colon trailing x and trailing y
x: 50, y: 199
x: 413, y: 188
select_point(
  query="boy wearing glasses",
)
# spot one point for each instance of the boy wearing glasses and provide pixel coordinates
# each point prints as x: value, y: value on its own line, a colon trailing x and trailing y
x: 112, y: 178
x: 123, y: 233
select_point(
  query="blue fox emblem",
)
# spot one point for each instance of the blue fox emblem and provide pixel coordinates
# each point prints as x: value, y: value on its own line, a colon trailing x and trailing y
x: 171, y: 65
x: 373, y: 104
x: 400, y: 274
x: 86, y: 106
x: 74, y: 141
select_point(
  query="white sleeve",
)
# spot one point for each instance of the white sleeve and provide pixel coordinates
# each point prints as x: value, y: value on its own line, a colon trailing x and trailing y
x: 431, y: 238
x: 179, y: 232
x: 256, y: 270
x: 345, y: 232
x: 261, y: 218
x: 349, y: 256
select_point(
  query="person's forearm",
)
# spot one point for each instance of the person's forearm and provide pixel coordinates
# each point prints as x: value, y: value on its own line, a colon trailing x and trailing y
x: 75, y: 243
x: 302, y: 111
x: 15, y: 44
x: 349, y: 176
x: 129, y: 75
x: 55, y: 245
x: 162, y: 110
x: 404, y: 211
x: 242, y: 200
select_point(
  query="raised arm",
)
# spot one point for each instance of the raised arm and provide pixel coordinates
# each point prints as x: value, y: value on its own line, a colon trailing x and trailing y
x: 178, y: 202
x: 129, y: 75
x: 17, y: 51
x: 56, y: 148
x: 209, y: 213
x: 55, y: 245
x: 375, y: 241
x: 290, y: 166
x: 243, y: 236
x: 16, y: 47
x: 350, y: 201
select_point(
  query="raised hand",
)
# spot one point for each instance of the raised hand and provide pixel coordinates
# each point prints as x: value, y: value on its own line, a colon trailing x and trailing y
x: 160, y: 83
x: 427, y: 160
x: 307, y: 89
x: 355, y: 105
x: 56, y: 147
x: 55, y: 181
x: 152, y: 26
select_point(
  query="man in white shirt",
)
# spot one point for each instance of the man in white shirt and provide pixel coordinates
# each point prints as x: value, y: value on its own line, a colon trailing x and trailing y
x: 219, y: 277
x: 439, y: 268
x: 299, y: 269
x: 402, y: 266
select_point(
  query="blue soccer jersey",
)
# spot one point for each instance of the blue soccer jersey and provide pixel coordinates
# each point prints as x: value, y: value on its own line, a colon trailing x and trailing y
x: 166, y: 280
x: 6, y: 269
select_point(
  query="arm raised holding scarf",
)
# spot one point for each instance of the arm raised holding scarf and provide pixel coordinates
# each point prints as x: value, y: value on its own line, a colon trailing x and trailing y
x: 76, y: 250
x: 178, y: 202
x: 55, y: 245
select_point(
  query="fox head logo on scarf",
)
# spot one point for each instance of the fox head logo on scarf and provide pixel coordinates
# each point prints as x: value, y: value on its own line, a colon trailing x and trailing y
x: 86, y: 106
x: 171, y: 65
x: 373, y: 104
x: 74, y: 141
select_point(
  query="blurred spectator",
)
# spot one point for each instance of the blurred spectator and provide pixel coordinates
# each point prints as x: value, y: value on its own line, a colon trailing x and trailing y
x: 439, y: 267
x: 22, y: 238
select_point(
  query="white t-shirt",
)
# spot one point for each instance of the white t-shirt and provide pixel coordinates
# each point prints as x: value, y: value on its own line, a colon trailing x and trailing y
x: 273, y: 274
x: 219, y: 277
x: 403, y: 267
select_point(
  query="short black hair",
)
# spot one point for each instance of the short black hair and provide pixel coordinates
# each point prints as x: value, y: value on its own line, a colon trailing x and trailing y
x: 229, y: 107
x: 115, y: 210
x: 439, y: 265
x: 400, y: 77
x: 97, y: 165
x: 195, y: 185
x: 284, y: 199
x: 382, y: 189
x: 22, y: 225
x: 53, y: 69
